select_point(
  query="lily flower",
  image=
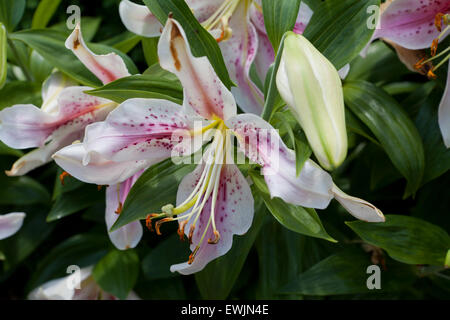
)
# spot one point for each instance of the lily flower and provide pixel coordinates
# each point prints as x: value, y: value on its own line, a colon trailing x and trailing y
x: 420, y: 24
x: 77, y: 286
x: 312, y: 89
x: 214, y: 202
x: 238, y: 27
x: 65, y: 112
x: 10, y: 223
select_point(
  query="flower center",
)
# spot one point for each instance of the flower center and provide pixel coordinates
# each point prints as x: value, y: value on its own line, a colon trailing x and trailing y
x: 206, y: 188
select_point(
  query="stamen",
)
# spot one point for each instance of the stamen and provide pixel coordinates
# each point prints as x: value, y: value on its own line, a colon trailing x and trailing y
x: 434, y: 46
x: 216, y: 238
x: 191, y: 233
x: 431, y: 75
x: 148, y: 220
x: 419, y: 64
x: 159, y: 223
x: 438, y: 21
x: 119, y: 208
x: 181, y: 228
x: 62, y: 176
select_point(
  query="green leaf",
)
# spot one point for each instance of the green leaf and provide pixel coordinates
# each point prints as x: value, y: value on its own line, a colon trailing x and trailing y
x: 279, y: 17
x: 150, y: 47
x: 89, y: 27
x: 44, y: 12
x: 338, y: 29
x: 11, y: 12
x: 82, y: 250
x: 117, y: 272
x: 218, y: 278
x: 39, y: 67
x: 74, y: 201
x: 298, y: 219
x: 391, y: 126
x: 201, y: 42
x: 5, y: 150
x: 346, y: 273
x: 155, y: 188
x: 22, y: 191
x: 141, y: 86
x: 30, y: 236
x: 406, y: 239
x: 124, y: 42
x: 20, y: 92
x: 50, y: 45
x: 156, y: 264
x: 3, y: 56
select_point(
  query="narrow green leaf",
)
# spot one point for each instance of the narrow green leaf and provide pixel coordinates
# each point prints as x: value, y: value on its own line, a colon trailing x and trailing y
x: 50, y: 45
x: 279, y: 17
x: 201, y: 42
x: 74, y: 201
x: 11, y: 12
x: 346, y: 273
x: 155, y: 188
x: 124, y: 42
x: 5, y: 150
x: 89, y: 27
x: 339, y: 29
x: 150, y: 47
x: 3, y: 56
x: 295, y: 218
x: 156, y: 264
x: 20, y: 92
x: 141, y: 86
x: 22, y: 191
x: 406, y: 239
x: 117, y: 272
x: 44, y: 12
x: 391, y: 126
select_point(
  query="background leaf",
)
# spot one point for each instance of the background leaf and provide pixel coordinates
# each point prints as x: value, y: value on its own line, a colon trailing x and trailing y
x: 44, y: 13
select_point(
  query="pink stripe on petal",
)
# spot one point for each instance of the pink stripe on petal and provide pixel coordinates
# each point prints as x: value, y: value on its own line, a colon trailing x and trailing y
x: 233, y: 215
x: 107, y: 67
x: 203, y: 90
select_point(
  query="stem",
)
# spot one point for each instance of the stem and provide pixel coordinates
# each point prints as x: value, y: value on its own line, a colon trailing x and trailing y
x: 19, y: 60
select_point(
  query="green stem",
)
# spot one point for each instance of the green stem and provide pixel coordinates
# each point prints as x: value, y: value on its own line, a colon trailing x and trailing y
x: 19, y: 60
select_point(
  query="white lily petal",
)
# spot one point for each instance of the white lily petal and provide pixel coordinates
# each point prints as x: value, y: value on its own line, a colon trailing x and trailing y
x: 10, y: 223
x: 138, y: 19
x: 444, y: 112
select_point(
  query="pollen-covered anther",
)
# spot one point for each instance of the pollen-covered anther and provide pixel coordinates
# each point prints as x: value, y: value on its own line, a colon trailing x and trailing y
x: 216, y: 238
x: 438, y: 21
x: 419, y: 64
x: 62, y: 176
x: 119, y: 208
x: 148, y: 221
x: 434, y: 47
x: 159, y: 223
x: 431, y: 75
x: 191, y: 233
x: 193, y: 254
x: 180, y: 230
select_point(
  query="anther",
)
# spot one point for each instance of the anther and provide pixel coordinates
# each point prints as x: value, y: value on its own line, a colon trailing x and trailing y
x: 191, y: 233
x: 180, y: 230
x: 216, y: 238
x: 431, y: 74
x: 158, y: 225
x: 99, y: 187
x: 62, y: 176
x: 419, y: 64
x: 438, y: 21
x: 148, y: 221
x: 434, y: 46
x: 193, y: 254
x: 119, y: 208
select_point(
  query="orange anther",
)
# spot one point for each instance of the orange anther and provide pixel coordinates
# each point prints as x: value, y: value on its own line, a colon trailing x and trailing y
x: 119, y: 208
x: 438, y: 21
x: 434, y: 46
x: 148, y: 221
x: 431, y: 74
x: 99, y: 188
x: 216, y: 238
x: 62, y: 176
x: 419, y: 64
x: 180, y: 230
x: 193, y: 254
x: 191, y: 233
x: 158, y: 225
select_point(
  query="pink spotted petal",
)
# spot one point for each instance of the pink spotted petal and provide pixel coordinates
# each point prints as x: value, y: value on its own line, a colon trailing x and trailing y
x: 129, y: 235
x: 107, y: 67
x: 52, y: 88
x: 26, y: 126
x: 203, y: 90
x: 305, y: 14
x: 99, y: 171
x: 10, y: 223
x: 262, y: 144
x: 138, y: 19
x: 410, y: 23
x: 138, y: 129
x: 444, y: 112
x: 233, y: 215
x: 239, y: 53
